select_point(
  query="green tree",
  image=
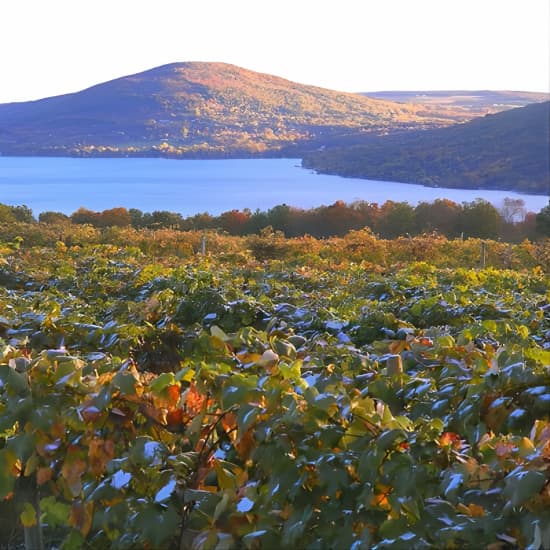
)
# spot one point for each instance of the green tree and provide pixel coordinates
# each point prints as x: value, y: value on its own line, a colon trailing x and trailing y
x: 396, y: 218
x: 6, y: 214
x: 481, y: 219
x: 440, y: 215
x: 23, y: 214
x: 53, y: 217
x: 164, y: 218
x: 543, y: 221
x: 85, y: 216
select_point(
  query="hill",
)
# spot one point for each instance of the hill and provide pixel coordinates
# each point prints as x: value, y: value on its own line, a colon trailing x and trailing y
x: 507, y: 150
x: 201, y: 109
x: 475, y: 102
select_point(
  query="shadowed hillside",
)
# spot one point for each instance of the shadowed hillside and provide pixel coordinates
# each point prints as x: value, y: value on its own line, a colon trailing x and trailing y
x: 201, y: 109
x: 507, y: 150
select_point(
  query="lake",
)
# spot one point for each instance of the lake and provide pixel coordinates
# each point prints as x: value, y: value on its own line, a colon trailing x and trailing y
x: 193, y: 186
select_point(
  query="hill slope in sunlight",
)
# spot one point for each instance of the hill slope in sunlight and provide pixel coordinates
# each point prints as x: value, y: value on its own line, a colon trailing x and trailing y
x: 202, y: 109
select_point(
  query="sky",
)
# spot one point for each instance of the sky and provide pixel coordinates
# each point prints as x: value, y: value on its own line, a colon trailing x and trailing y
x: 51, y: 47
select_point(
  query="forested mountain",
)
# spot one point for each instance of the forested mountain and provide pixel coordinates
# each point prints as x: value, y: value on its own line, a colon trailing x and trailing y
x: 201, y: 109
x: 507, y: 150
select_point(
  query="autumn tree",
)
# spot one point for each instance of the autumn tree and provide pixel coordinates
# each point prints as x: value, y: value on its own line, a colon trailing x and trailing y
x: 234, y: 221
x: 440, y: 215
x: 114, y: 217
x: 85, y: 216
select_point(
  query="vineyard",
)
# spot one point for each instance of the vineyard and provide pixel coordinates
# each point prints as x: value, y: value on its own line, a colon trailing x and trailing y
x: 172, y: 390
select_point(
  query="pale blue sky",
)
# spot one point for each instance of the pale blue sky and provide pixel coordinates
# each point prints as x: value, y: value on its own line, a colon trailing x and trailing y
x: 51, y: 47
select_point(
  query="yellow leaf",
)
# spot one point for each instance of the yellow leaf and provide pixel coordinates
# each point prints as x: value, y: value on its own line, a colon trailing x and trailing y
x: 28, y: 515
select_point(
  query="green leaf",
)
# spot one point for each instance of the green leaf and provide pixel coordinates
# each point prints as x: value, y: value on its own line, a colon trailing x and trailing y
x: 161, y: 382
x: 221, y: 506
x: 74, y: 541
x: 246, y: 417
x: 157, y: 524
x: 521, y: 485
x: 146, y: 452
x: 125, y: 382
x: 253, y: 540
x: 8, y: 460
x: 15, y: 382
x: 22, y: 445
x: 54, y: 513
x: 291, y: 371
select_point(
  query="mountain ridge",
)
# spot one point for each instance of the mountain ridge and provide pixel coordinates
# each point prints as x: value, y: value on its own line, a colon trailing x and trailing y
x: 201, y: 109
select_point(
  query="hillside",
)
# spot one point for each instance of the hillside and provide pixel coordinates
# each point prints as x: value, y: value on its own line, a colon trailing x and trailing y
x: 201, y: 109
x: 475, y: 102
x: 507, y: 150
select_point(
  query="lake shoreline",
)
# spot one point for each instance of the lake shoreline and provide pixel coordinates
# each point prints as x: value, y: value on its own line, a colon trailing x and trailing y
x: 271, y: 157
x: 209, y: 185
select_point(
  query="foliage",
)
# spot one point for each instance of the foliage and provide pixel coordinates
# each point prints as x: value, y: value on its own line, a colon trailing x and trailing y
x: 508, y: 150
x: 478, y: 218
x: 315, y: 397
x: 543, y: 221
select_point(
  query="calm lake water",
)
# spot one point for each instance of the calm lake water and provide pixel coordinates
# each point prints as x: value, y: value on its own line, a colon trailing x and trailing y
x: 193, y: 186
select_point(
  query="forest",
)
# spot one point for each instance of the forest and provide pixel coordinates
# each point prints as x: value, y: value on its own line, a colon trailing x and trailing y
x: 479, y: 218
x: 507, y: 150
x: 168, y: 389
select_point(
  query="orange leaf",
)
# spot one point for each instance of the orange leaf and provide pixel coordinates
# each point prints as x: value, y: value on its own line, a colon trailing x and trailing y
x: 174, y: 417
x: 424, y: 341
x: 90, y: 413
x: 472, y: 510
x: 81, y: 516
x: 476, y: 511
x: 72, y: 471
x: 245, y: 445
x: 450, y: 439
x: 173, y: 395
x: 43, y: 475
x: 504, y: 448
x: 397, y: 346
x: 100, y: 452
x: 194, y: 400
x: 229, y: 421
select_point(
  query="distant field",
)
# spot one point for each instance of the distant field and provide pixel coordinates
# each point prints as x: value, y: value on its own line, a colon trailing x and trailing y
x: 475, y: 101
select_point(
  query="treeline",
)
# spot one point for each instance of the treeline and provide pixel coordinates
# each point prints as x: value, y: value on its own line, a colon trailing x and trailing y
x: 478, y: 218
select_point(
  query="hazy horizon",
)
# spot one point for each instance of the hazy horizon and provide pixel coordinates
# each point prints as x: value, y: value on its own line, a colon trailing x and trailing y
x: 59, y: 46
x: 377, y: 91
